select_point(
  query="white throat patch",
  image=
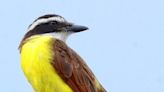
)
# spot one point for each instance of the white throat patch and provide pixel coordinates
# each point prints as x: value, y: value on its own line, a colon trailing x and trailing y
x: 60, y: 35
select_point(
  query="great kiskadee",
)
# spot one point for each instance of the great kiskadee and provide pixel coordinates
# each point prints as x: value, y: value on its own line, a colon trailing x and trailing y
x: 49, y: 64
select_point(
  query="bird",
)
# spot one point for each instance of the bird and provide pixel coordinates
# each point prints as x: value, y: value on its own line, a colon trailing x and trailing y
x: 49, y: 64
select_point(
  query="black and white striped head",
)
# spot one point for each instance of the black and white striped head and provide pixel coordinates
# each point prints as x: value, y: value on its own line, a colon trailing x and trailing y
x: 53, y: 25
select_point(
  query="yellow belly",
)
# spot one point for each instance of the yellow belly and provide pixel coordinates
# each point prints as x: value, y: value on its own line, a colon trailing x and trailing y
x: 36, y: 56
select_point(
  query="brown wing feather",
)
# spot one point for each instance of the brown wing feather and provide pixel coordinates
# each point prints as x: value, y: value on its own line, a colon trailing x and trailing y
x: 73, y: 70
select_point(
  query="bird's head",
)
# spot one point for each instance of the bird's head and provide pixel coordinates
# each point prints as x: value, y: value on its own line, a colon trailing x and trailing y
x: 53, y: 25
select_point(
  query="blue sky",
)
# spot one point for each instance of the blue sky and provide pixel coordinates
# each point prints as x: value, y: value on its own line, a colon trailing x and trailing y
x: 124, y: 45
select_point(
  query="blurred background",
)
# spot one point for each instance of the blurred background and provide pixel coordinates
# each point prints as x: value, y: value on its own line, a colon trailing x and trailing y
x: 124, y: 45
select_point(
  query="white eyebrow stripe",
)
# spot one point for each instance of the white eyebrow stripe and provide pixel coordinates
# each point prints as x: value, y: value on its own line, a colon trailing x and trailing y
x: 45, y: 20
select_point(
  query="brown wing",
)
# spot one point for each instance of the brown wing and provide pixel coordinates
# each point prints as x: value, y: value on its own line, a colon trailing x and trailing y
x: 73, y: 70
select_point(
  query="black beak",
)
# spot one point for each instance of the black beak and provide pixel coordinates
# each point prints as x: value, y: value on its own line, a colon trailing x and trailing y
x: 77, y: 28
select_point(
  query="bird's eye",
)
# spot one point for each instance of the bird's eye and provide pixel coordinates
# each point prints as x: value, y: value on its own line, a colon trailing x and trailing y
x: 53, y: 22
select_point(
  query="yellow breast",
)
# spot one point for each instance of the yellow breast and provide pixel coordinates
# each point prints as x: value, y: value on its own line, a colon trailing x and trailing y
x: 36, y: 56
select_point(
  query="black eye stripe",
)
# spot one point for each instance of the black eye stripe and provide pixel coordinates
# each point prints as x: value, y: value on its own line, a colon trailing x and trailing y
x: 53, y: 22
